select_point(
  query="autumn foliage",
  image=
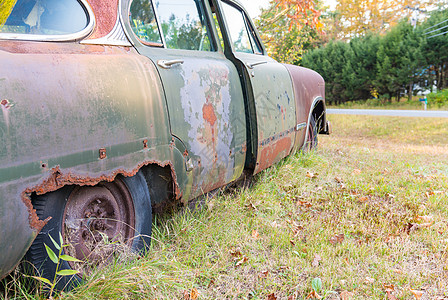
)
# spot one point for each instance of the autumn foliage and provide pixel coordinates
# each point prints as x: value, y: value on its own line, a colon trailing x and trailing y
x: 288, y: 26
x: 5, y: 10
x: 359, y: 17
x: 300, y: 12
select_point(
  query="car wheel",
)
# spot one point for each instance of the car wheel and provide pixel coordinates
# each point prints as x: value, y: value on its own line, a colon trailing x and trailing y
x: 95, y: 222
x: 311, y: 137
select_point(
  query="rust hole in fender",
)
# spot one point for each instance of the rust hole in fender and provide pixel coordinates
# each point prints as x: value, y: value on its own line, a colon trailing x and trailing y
x: 59, y: 178
x: 102, y: 153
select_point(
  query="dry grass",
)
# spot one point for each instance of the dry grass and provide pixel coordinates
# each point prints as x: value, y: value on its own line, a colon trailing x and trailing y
x: 365, y: 213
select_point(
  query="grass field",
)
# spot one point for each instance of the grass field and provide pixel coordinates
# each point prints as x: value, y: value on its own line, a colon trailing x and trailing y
x: 366, y: 214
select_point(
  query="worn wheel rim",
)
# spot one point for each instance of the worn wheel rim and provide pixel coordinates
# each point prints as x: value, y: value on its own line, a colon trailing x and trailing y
x: 96, y: 220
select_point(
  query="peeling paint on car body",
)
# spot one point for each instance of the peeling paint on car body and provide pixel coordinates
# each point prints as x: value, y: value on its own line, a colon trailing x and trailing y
x: 78, y: 113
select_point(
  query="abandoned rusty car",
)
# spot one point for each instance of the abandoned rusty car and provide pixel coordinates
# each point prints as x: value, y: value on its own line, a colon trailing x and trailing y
x: 111, y: 108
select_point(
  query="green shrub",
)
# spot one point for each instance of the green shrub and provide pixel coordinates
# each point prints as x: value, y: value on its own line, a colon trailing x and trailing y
x: 438, y: 99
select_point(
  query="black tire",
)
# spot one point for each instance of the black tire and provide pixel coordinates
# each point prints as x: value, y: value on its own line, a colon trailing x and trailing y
x: 311, y: 135
x: 56, y: 205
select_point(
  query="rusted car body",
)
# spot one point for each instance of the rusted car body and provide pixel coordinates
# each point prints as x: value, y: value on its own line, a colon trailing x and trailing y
x: 86, y: 106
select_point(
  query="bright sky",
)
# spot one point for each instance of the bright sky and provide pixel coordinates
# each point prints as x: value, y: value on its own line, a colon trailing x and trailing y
x: 253, y: 6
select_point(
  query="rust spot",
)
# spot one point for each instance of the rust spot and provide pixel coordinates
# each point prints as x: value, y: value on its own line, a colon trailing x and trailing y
x: 105, y: 16
x: 145, y: 144
x: 102, y: 153
x: 57, y: 179
x: 208, y: 113
x: 35, y: 223
x: 185, y: 153
x: 272, y: 153
x: 244, y: 147
x: 6, y: 104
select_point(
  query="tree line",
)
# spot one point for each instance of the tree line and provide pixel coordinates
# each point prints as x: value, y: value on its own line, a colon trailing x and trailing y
x: 399, y: 63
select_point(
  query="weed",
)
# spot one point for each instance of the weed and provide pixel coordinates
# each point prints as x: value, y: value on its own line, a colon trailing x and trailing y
x: 56, y: 259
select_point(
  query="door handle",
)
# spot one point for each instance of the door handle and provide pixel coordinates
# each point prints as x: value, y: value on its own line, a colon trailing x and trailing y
x: 167, y: 64
x: 252, y: 65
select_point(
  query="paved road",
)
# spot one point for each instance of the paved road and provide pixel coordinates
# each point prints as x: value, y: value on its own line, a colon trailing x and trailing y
x: 395, y: 113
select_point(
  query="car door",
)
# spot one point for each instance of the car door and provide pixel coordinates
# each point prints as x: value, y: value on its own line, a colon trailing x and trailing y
x: 270, y: 87
x: 202, y: 87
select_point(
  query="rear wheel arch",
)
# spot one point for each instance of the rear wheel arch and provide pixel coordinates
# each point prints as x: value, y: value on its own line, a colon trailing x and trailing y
x: 315, y: 123
x: 319, y: 113
x: 160, y: 182
x: 87, y: 209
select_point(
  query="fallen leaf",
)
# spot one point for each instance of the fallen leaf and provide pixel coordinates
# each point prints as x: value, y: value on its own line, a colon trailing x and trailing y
x: 295, y: 227
x: 283, y: 268
x: 264, y: 274
x: 313, y: 295
x: 235, y: 253
x: 339, y: 179
x: 398, y: 271
x: 390, y: 296
x: 357, y: 171
x: 274, y: 224
x: 417, y: 294
x: 212, y: 282
x: 311, y: 175
x: 242, y: 261
x: 346, y: 295
x: 271, y: 297
x: 337, y: 238
x: 292, y: 242
x: 288, y: 187
x: 255, y: 234
x: 316, y: 260
x: 389, y: 288
x: 416, y: 226
x: 194, y: 294
x: 363, y: 199
x: 304, y: 203
x: 251, y: 206
x: 426, y: 219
